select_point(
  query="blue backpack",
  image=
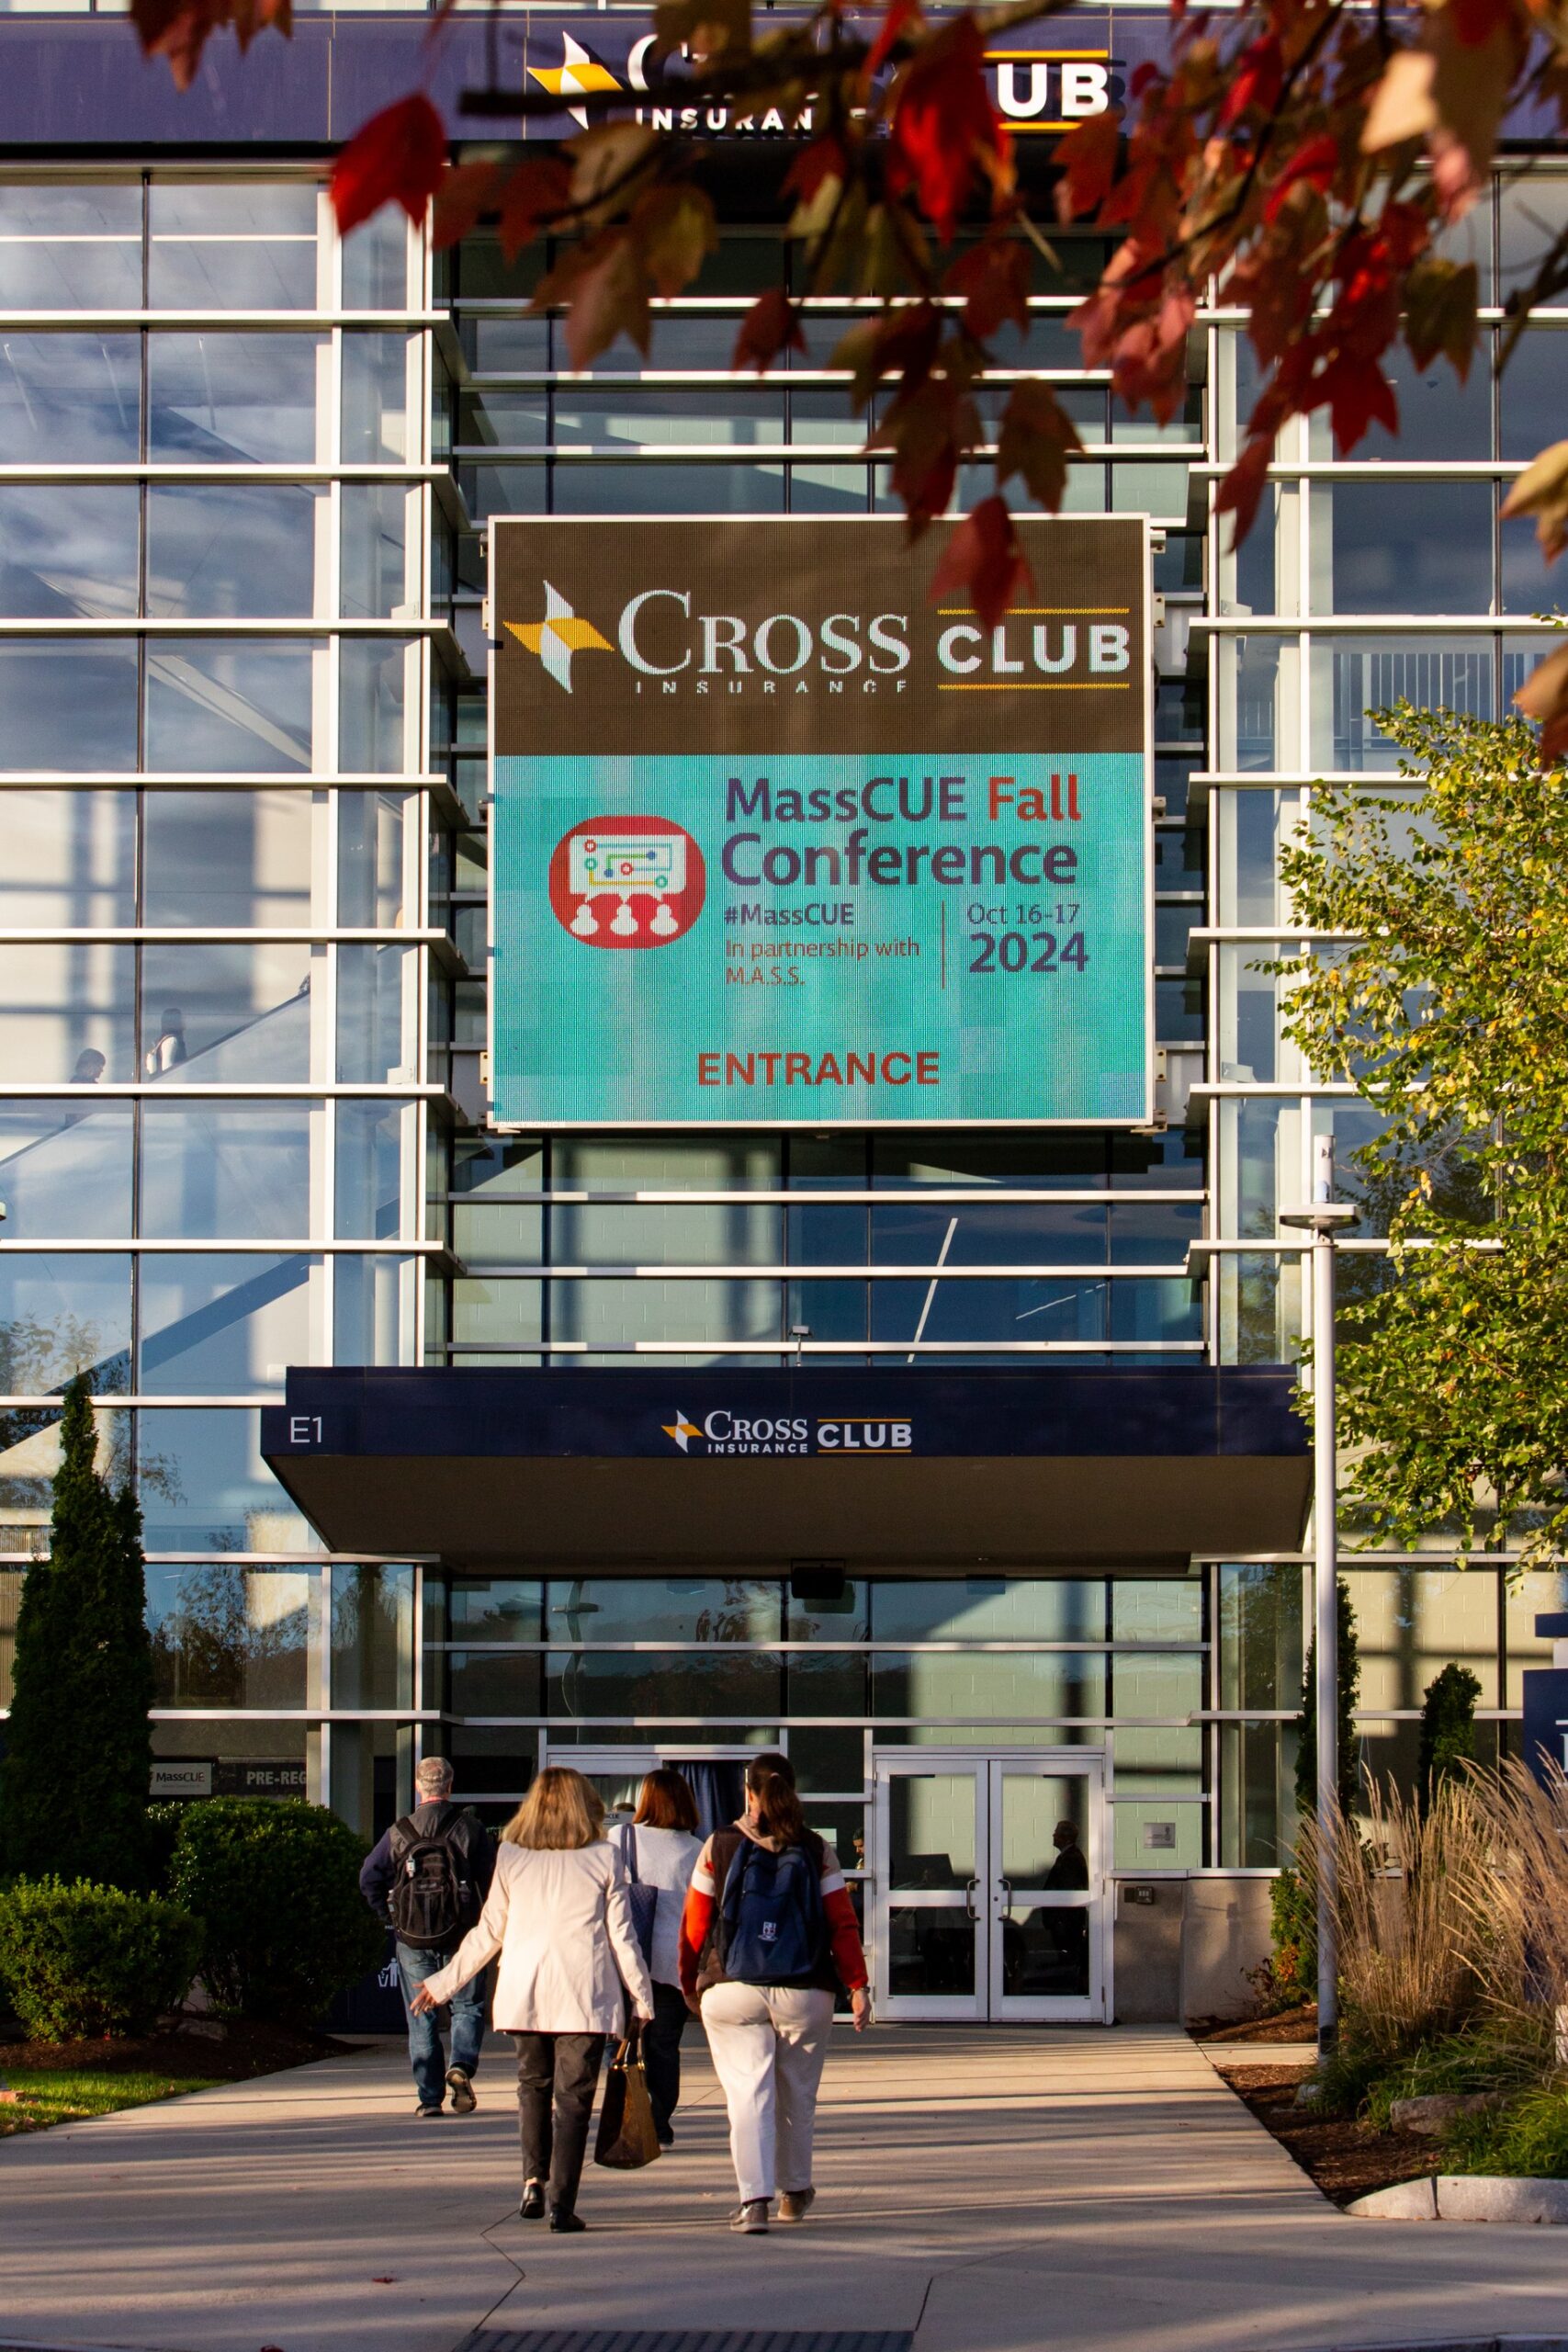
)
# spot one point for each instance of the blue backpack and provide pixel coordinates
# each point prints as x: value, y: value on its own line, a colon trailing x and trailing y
x: 773, y: 1928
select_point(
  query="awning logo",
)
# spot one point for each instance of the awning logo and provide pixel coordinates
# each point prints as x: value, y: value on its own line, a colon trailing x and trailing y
x: 682, y: 1431
x: 576, y: 76
x: 558, y: 636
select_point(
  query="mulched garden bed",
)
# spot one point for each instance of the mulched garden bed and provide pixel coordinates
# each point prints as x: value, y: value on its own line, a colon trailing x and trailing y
x: 238, y: 2051
x: 1343, y: 2158
x: 1288, y: 2025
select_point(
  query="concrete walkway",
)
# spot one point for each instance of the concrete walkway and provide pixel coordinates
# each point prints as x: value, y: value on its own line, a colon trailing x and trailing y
x: 995, y: 2192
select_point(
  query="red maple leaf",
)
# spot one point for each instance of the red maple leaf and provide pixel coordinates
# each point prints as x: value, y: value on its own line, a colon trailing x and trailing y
x: 983, y: 557
x: 944, y: 127
x: 897, y: 17
x: 770, y: 326
x: 398, y: 157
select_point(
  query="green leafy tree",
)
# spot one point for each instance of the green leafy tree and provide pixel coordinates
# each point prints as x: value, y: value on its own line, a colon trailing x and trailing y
x: 78, y: 1763
x: 1445, y: 1006
x: 1350, y: 1691
x: 1447, y: 1729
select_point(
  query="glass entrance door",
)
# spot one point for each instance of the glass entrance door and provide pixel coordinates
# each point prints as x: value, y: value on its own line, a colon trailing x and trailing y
x: 989, y: 1888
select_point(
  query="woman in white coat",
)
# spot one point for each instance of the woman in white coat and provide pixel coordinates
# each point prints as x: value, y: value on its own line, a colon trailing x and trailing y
x: 558, y: 1914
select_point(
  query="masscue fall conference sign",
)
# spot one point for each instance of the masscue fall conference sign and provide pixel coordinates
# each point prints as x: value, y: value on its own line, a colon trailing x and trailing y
x: 777, y: 839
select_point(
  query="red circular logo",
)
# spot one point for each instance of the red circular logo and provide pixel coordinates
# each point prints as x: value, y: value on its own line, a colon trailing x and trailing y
x: 627, y: 881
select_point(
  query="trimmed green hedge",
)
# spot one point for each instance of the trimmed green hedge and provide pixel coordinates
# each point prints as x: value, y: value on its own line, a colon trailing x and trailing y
x: 277, y: 1882
x: 80, y: 1959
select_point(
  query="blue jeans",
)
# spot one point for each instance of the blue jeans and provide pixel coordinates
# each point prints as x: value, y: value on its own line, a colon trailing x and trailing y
x: 468, y: 2011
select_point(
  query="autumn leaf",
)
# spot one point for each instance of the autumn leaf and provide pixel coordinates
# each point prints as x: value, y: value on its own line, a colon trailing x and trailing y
x: 603, y: 292
x: 1037, y: 438
x: 466, y: 193
x: 538, y: 189
x: 1087, y: 157
x: 983, y: 560
x: 676, y: 231
x: 993, y: 277
x: 898, y: 16
x: 770, y: 327
x: 398, y: 157
x: 1440, y: 298
x: 180, y: 29
x: 1243, y: 487
x: 944, y: 130
x: 709, y: 29
x: 1542, y: 491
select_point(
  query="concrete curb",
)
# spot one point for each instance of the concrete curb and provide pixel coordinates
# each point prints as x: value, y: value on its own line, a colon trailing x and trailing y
x: 1453, y: 2344
x: 1467, y: 2197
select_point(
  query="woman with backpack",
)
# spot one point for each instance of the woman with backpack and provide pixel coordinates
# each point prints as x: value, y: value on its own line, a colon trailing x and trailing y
x: 768, y: 1937
x: 558, y: 1913
x: 660, y: 1848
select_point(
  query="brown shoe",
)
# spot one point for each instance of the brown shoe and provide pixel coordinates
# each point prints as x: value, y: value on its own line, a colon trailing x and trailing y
x: 751, y: 2219
x: 795, y: 2204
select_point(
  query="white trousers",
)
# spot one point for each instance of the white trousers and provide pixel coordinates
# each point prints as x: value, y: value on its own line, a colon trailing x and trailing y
x: 769, y: 2043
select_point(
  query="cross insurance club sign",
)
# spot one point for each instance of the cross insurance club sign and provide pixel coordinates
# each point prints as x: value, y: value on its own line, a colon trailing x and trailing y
x: 776, y: 839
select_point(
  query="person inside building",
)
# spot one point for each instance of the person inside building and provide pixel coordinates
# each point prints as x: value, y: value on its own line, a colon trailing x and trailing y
x: 1069, y: 1873
x: 168, y: 1048
x: 663, y: 1847
x: 768, y: 1937
x: 560, y: 1917
x: 427, y: 1880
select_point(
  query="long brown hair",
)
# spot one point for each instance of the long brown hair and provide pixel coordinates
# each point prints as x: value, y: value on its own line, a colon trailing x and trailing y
x: 778, y: 1808
x: 665, y: 1802
x: 560, y: 1811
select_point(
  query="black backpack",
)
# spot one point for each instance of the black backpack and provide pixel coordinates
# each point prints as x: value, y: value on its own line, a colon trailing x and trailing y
x: 431, y: 1897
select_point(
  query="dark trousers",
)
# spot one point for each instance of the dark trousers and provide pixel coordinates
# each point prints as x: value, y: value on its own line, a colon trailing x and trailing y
x: 661, y: 2053
x: 557, y: 2073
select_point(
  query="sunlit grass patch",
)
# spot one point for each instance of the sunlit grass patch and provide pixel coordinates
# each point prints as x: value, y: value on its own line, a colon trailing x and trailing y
x: 46, y: 2096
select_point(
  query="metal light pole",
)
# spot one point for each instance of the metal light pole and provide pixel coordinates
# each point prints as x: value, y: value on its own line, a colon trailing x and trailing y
x: 1322, y: 1218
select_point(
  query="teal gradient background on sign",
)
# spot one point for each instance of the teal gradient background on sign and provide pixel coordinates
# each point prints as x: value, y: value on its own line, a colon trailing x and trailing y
x: 916, y: 1000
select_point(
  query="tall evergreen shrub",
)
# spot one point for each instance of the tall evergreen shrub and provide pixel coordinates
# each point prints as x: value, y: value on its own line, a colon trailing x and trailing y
x: 1448, y: 1729
x: 1350, y: 1691
x: 74, y: 1782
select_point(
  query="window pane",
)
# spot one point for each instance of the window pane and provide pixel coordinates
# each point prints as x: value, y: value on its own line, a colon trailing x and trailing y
x: 68, y: 552
x: 988, y: 1687
x: 60, y: 1316
x: 372, y: 676
x: 67, y: 708
x: 65, y: 1174
x: 220, y: 1325
x: 225, y: 1635
x: 226, y: 1170
x: 71, y: 248
x: 1530, y: 399
x: 1349, y: 681
x: 659, y: 489
x: 29, y: 1456
x: 1390, y: 546
x: 372, y: 1633
x: 375, y: 398
x: 372, y: 1310
x: 1438, y: 416
x: 204, y: 1485
x: 374, y: 568
x: 226, y: 1013
x: 227, y: 398
x: 70, y: 398
x: 227, y: 858
x: 376, y: 264
x: 370, y: 859
x: 217, y: 551
x: 68, y: 1012
x: 370, y: 1009
x: 70, y: 859
x: 370, y: 1172
x: 995, y: 1609
x: 228, y: 707
x: 236, y: 246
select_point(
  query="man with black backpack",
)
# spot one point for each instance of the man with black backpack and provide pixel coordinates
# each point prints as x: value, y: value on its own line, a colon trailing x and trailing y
x: 427, y: 1881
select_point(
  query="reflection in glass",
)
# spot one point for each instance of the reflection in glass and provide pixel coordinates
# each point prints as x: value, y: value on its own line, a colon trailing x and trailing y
x: 230, y: 550
x: 227, y: 706
x: 371, y: 1013
x: 235, y: 1171
x: 224, y: 1635
x: 375, y: 398
x: 226, y: 1013
x: 1386, y: 547
x: 65, y: 248
x: 929, y: 1951
x: 65, y: 1172
x: 218, y: 1325
x: 369, y: 1171
x: 1349, y: 681
x: 930, y: 1831
x: 68, y: 551
x: 370, y: 859
x: 1045, y: 1609
x: 29, y: 1456
x: 230, y: 859
x: 204, y: 1485
x: 67, y: 707
x: 372, y: 1637
x: 373, y: 568
x: 69, y: 860
x: 61, y: 1314
x: 1006, y: 1687
x: 372, y: 1310
x: 1044, y: 1952
x: 70, y: 398
x: 747, y: 1686
x: 376, y: 264
x: 69, y: 1012
x: 372, y: 678
x: 225, y: 398
x: 672, y: 1608
x: 235, y: 245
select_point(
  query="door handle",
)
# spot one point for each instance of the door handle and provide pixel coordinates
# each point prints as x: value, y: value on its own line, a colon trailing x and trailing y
x: 970, y: 1891
x: 1006, y: 1886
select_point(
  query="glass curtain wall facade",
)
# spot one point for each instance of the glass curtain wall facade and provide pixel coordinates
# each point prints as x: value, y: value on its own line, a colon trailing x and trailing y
x: 245, y: 476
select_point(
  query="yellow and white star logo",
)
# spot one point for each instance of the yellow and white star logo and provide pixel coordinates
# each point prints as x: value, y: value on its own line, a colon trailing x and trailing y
x: 575, y: 75
x: 682, y: 1431
x: 558, y: 636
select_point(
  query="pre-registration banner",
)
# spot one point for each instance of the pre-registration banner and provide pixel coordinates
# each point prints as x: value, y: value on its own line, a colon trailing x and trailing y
x: 776, y: 839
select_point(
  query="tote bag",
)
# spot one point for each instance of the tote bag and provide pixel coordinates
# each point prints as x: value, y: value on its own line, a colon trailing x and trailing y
x: 627, y: 2137
x: 644, y: 1899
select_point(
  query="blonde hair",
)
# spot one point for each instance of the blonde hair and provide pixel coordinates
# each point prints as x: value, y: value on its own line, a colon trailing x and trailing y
x: 560, y: 1811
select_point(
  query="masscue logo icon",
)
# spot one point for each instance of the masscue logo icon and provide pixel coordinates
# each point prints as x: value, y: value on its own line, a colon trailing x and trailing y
x: 723, y: 1431
x: 626, y: 881
x: 558, y: 636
